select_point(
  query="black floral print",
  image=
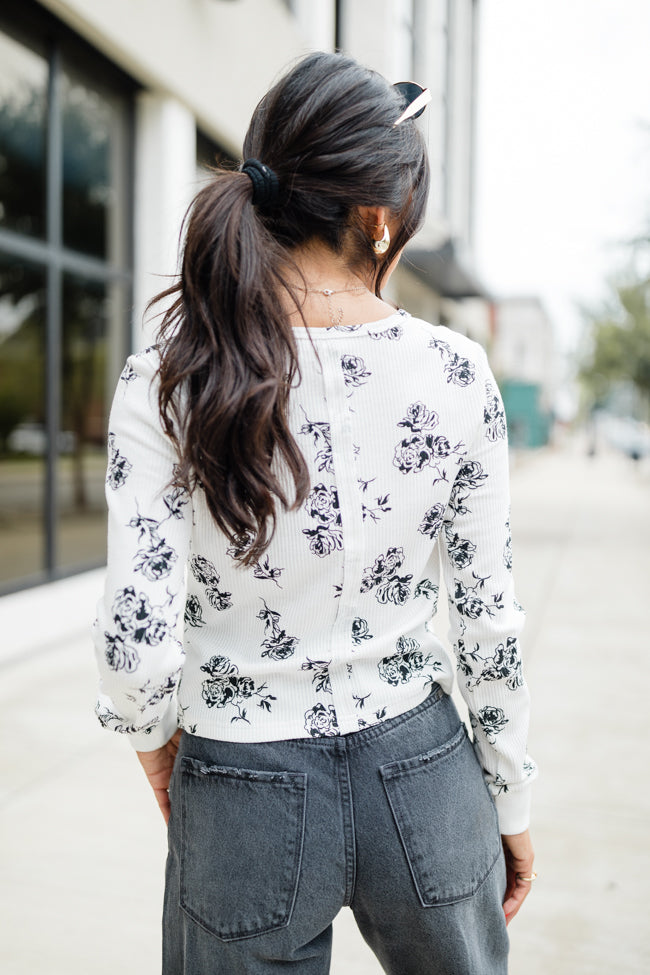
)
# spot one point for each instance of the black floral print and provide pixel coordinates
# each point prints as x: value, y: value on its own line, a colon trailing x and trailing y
x: 156, y: 558
x: 504, y: 664
x: 430, y: 591
x: 320, y: 674
x: 492, y: 720
x: 422, y: 449
x: 128, y: 374
x: 157, y: 693
x: 406, y: 663
x: 469, y: 604
x: 224, y: 687
x: 108, y: 719
x: 118, y: 466
x: 354, y: 371
x: 381, y: 502
x: 322, y: 505
x: 460, y: 550
x: 383, y: 578
x: 205, y: 572
x: 261, y: 570
x: 320, y: 431
x: 277, y: 645
x: 360, y: 631
x: 321, y: 722
x: 458, y: 370
x: 137, y: 623
x: 175, y: 501
x: 507, y: 548
x: 194, y: 612
x: 393, y: 334
x: 432, y: 521
x: 469, y: 477
x: 494, y: 416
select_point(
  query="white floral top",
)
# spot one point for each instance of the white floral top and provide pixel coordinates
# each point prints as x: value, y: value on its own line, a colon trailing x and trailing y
x: 403, y: 430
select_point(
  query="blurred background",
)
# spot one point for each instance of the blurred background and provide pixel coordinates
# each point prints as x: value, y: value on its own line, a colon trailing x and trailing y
x: 536, y: 244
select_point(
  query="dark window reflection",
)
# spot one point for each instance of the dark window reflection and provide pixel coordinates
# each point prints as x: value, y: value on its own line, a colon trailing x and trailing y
x: 23, y: 441
x: 92, y: 153
x: 23, y: 111
x: 93, y: 314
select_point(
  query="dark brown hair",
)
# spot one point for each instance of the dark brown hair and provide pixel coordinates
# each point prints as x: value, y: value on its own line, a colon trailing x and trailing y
x: 228, y: 355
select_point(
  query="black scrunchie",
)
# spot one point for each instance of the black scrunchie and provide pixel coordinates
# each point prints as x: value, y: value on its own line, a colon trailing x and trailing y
x: 266, y: 185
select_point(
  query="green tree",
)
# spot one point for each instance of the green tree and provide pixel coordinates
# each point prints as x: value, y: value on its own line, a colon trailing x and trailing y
x: 618, y: 347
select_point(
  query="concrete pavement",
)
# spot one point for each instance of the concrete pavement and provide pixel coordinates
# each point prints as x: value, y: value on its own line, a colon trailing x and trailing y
x: 83, y: 846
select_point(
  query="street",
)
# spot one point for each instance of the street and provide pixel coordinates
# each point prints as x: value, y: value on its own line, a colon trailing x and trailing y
x: 83, y: 844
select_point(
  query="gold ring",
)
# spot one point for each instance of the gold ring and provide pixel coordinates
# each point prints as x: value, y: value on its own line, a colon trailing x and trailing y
x: 528, y: 880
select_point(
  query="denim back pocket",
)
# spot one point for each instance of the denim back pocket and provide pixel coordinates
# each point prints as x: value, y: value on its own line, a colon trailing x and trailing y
x: 241, y: 847
x: 446, y: 820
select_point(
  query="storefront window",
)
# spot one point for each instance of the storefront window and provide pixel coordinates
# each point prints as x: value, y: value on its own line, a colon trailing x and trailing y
x: 65, y: 279
x: 23, y: 120
x: 23, y: 432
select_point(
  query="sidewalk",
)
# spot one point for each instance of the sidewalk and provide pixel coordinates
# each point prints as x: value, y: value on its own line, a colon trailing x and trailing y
x: 83, y: 846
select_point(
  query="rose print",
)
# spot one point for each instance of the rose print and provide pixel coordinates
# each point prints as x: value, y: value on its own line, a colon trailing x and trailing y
x: 406, y: 663
x: 494, y: 416
x: 322, y: 505
x: 460, y: 550
x: 354, y: 370
x: 118, y: 466
x: 360, y: 631
x: 224, y: 687
x: 194, y: 612
x: 320, y: 721
x: 504, y: 664
x: 277, y: 645
x: 432, y: 521
x: 458, y: 370
x: 382, y: 575
x: 492, y: 721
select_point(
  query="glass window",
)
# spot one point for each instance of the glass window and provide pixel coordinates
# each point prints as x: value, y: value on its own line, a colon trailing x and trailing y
x: 23, y: 436
x: 65, y: 143
x: 92, y: 318
x: 23, y: 117
x: 93, y: 136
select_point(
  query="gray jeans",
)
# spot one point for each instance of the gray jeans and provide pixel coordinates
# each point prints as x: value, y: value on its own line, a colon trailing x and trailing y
x: 268, y: 840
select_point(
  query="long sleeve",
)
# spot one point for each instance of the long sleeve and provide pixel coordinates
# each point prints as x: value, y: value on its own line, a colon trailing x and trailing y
x: 485, y: 618
x: 137, y: 637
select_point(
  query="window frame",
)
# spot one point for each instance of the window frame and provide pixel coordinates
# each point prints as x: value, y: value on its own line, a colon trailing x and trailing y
x: 30, y: 25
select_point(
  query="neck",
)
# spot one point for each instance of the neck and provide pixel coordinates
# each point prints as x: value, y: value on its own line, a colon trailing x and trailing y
x: 319, y: 268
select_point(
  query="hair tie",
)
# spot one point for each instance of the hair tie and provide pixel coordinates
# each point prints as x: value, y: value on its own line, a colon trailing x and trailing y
x: 266, y: 185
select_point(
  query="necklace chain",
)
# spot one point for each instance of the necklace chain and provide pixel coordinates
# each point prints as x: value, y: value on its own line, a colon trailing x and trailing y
x: 335, y: 315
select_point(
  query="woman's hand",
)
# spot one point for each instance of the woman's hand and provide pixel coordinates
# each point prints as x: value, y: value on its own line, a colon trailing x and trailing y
x: 158, y: 767
x: 519, y: 855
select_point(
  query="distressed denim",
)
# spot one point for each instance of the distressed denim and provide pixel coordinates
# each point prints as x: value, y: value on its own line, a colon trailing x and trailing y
x: 268, y: 840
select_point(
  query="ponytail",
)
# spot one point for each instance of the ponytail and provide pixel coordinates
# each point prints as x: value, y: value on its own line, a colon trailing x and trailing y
x: 227, y: 344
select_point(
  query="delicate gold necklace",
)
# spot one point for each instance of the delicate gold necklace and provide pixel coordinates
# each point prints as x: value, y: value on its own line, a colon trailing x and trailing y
x: 335, y: 315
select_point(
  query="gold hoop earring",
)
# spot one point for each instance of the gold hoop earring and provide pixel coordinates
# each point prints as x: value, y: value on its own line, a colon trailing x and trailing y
x: 381, y: 246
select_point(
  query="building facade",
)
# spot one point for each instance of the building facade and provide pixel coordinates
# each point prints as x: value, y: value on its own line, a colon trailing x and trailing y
x: 109, y: 111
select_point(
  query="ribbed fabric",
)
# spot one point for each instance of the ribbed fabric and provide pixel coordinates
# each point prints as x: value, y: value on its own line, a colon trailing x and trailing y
x: 403, y: 430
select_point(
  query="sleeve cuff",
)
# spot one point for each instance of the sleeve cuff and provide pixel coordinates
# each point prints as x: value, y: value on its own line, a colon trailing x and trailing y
x: 513, y: 810
x: 143, y: 741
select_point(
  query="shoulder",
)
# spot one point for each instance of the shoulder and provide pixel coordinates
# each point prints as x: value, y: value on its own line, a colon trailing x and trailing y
x: 142, y: 365
x: 444, y: 338
x: 462, y: 359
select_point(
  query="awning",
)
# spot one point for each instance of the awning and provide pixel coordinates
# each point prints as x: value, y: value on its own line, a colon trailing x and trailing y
x: 445, y: 269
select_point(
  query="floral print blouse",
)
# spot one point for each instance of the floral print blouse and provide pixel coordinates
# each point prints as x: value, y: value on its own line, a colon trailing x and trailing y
x: 403, y: 430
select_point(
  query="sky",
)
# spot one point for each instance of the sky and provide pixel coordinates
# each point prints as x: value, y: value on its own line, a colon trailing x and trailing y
x: 563, y: 155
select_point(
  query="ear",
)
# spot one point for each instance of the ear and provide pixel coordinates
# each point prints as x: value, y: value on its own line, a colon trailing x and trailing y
x: 373, y: 220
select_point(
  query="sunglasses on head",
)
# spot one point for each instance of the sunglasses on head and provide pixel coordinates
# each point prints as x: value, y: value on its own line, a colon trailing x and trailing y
x: 415, y: 97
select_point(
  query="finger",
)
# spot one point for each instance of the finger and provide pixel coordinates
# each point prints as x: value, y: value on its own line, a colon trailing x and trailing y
x: 162, y: 798
x: 516, y: 898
